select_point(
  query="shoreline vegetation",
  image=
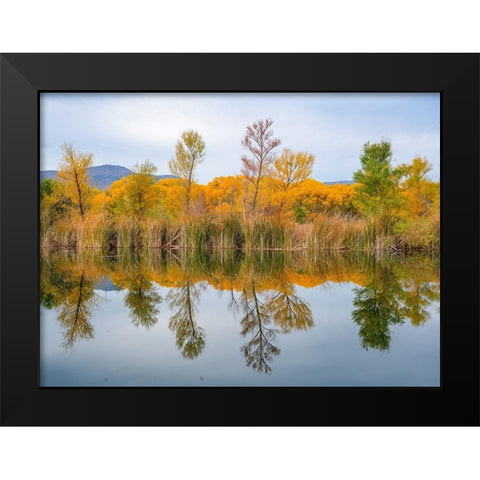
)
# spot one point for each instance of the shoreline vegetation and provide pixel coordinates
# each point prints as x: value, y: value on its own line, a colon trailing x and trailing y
x: 272, y: 205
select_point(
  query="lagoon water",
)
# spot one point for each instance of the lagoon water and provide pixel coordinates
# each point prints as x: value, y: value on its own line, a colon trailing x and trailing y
x: 264, y: 319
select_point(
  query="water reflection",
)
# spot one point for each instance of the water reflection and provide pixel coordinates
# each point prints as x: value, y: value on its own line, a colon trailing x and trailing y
x: 70, y: 290
x: 255, y: 322
x: 183, y: 302
x: 377, y: 308
x: 262, y: 288
x: 261, y: 313
x: 142, y: 299
x: 396, y: 291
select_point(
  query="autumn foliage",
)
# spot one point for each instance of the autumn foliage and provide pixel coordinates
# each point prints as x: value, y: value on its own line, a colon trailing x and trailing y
x: 273, y: 204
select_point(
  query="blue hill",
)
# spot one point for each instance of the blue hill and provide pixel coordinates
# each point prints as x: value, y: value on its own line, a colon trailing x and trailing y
x: 102, y: 176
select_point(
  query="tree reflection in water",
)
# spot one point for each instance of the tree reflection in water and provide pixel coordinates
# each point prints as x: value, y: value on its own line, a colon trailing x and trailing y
x: 183, y: 300
x: 260, y: 349
x: 262, y: 293
x: 261, y: 313
x: 70, y: 292
x: 142, y: 298
x: 389, y: 298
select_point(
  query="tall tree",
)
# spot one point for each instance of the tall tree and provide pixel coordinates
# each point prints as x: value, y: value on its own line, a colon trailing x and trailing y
x: 259, y: 143
x: 73, y: 173
x: 139, y: 192
x: 379, y: 182
x: 189, y: 153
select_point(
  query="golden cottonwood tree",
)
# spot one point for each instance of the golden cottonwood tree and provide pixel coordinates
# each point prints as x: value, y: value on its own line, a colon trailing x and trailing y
x: 73, y: 173
x: 189, y: 153
x: 289, y: 170
x: 417, y: 186
x: 259, y: 143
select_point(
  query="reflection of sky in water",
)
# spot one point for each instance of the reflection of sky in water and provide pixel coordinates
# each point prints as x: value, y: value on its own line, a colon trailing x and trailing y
x: 328, y: 354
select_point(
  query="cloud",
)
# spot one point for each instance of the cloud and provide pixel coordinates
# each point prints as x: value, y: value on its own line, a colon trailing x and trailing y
x: 126, y: 128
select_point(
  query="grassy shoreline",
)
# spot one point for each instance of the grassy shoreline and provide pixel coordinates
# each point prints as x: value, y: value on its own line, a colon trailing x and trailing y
x: 327, y: 232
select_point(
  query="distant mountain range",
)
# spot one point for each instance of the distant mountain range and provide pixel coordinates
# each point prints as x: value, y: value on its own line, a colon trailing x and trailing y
x: 341, y: 182
x: 104, y: 175
x: 106, y: 285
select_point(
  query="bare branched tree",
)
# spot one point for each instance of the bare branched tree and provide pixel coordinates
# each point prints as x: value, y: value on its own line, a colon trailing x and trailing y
x: 260, y: 144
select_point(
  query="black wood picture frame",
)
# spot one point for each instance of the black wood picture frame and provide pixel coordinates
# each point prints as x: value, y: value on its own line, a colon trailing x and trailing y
x: 24, y: 76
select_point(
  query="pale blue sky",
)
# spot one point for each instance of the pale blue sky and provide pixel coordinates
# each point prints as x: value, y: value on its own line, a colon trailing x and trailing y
x: 125, y: 128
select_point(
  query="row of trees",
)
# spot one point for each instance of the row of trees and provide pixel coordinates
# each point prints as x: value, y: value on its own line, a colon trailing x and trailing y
x: 398, y: 201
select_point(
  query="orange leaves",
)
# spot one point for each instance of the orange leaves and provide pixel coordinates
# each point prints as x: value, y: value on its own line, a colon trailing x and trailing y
x: 171, y: 195
x: 315, y: 197
x: 421, y: 196
x: 225, y: 195
x: 101, y: 202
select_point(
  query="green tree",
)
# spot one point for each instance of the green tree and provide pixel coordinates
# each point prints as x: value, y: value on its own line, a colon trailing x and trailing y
x: 378, y: 192
x: 189, y: 153
x: 139, y: 191
x: 46, y: 188
x: 53, y: 202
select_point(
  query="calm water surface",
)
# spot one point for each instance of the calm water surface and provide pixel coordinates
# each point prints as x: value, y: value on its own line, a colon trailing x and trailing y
x: 264, y: 319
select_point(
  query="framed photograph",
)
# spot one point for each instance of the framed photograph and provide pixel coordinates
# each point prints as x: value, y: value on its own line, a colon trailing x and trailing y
x: 239, y: 239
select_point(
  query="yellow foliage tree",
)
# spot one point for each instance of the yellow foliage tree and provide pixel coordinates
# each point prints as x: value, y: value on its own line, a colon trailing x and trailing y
x: 417, y: 188
x: 289, y: 170
x: 189, y: 153
x: 135, y: 195
x: 73, y: 173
